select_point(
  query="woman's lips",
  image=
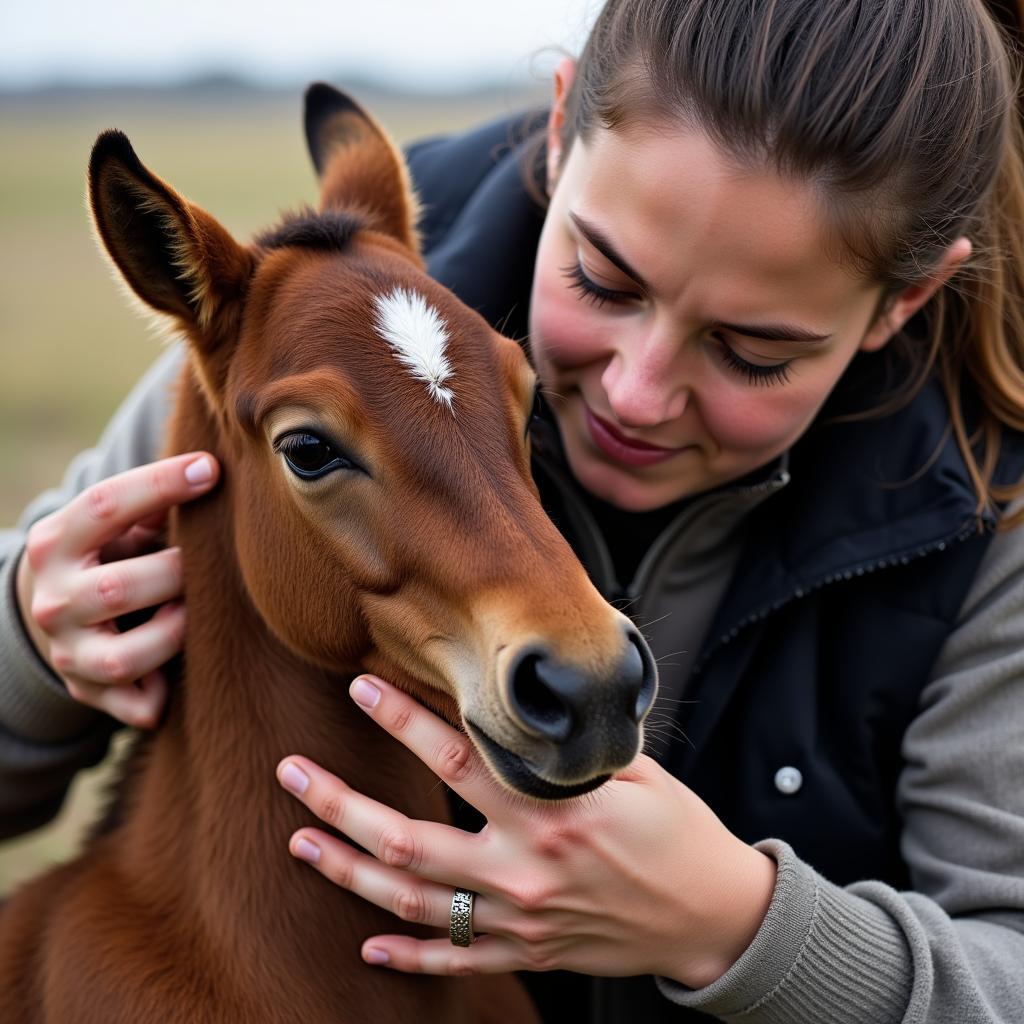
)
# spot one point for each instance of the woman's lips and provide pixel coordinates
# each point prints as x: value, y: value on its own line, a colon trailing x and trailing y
x: 622, y: 449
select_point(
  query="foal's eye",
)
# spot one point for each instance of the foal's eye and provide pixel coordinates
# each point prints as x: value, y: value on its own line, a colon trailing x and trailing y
x: 311, y: 457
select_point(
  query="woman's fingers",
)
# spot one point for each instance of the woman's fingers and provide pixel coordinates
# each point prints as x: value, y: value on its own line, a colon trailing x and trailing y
x: 108, y: 509
x: 491, y: 954
x: 448, y: 753
x: 138, y: 704
x: 119, y: 672
x: 83, y: 567
x: 428, y: 848
x: 413, y: 899
x: 141, y: 539
x: 104, y: 656
x: 106, y: 591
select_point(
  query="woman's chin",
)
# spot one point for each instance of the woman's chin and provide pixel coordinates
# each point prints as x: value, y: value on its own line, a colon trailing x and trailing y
x: 628, y: 488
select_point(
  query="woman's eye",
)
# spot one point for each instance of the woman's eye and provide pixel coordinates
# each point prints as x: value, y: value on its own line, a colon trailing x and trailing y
x: 310, y: 456
x: 755, y: 373
x: 591, y: 290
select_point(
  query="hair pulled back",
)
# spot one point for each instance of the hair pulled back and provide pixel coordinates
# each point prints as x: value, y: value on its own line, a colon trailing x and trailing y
x: 902, y: 114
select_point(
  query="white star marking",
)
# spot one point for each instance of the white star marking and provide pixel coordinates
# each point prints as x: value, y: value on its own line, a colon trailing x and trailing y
x: 419, y: 337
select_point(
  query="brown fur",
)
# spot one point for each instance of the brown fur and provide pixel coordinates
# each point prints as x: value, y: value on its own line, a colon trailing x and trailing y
x: 189, y: 909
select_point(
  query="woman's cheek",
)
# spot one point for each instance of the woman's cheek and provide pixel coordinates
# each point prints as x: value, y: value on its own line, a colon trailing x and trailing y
x: 759, y: 422
x: 564, y: 335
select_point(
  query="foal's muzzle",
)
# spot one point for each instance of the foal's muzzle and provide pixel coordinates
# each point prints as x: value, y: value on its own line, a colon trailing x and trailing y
x: 577, y: 727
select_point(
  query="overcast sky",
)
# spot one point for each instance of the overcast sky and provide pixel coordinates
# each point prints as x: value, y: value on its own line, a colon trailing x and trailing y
x: 434, y: 43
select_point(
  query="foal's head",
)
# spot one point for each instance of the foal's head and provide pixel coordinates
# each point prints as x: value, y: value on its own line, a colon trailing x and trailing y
x: 374, y: 435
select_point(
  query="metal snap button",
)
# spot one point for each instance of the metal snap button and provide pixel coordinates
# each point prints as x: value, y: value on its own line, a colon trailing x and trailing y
x: 788, y: 780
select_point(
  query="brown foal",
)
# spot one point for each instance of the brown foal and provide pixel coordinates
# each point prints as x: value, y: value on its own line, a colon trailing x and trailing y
x: 376, y: 513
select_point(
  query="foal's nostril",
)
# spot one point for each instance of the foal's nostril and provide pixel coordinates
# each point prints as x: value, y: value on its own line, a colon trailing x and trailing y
x: 640, y: 672
x: 543, y: 696
x: 556, y: 702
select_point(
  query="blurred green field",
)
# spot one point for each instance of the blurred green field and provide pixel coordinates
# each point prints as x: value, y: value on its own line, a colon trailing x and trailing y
x: 70, y: 345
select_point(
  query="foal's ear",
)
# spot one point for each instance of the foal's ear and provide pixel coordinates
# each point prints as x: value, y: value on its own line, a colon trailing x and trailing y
x: 174, y: 256
x: 360, y: 168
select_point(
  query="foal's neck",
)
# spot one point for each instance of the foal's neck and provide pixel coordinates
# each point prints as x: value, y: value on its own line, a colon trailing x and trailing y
x: 210, y: 824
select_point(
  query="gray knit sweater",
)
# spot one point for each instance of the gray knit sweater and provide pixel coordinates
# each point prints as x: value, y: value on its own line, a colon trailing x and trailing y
x: 949, y: 952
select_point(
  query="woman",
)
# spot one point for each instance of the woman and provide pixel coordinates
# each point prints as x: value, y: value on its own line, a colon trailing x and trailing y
x: 775, y: 307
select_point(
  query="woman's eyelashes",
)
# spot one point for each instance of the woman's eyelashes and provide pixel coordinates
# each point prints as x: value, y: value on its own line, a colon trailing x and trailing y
x: 754, y: 373
x: 590, y: 290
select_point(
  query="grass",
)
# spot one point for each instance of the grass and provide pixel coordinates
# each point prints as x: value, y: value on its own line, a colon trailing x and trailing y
x: 70, y: 345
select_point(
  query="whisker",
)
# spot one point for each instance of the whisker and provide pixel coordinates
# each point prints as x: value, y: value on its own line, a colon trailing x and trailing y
x: 653, y: 746
x: 647, y: 625
x: 666, y: 720
x: 659, y: 729
x: 671, y: 654
x: 503, y: 323
x: 656, y: 743
x: 661, y: 718
x: 551, y: 395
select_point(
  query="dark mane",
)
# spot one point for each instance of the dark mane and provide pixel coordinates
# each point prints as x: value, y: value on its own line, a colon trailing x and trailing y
x: 330, y: 230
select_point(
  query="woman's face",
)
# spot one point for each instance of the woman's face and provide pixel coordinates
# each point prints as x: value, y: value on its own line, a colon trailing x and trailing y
x: 687, y: 321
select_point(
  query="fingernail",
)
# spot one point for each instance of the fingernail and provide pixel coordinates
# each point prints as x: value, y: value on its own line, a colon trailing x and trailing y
x: 376, y: 956
x: 365, y: 693
x: 200, y: 471
x: 307, y: 851
x: 294, y: 779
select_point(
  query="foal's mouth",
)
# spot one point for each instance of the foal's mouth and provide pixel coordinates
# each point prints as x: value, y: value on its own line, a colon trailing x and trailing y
x: 518, y: 773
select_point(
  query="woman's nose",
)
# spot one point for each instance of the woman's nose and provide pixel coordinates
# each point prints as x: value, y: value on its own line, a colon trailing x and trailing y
x: 644, y: 388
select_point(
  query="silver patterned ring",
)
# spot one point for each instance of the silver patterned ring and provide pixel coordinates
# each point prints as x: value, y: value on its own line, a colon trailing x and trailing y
x: 460, y: 928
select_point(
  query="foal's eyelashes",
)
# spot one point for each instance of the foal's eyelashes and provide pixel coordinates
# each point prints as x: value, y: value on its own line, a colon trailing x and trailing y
x: 310, y: 457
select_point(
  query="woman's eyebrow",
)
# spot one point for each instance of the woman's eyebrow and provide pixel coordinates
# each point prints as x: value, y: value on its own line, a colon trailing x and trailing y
x: 776, y: 332
x: 600, y: 242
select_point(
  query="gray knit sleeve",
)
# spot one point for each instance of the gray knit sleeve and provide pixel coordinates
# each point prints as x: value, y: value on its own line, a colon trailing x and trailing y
x: 952, y: 950
x: 45, y: 736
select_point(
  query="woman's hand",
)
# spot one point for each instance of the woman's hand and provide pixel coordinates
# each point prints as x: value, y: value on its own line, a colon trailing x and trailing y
x: 638, y: 877
x: 92, y: 561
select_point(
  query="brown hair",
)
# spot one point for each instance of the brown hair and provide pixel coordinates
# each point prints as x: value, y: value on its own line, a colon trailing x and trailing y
x: 903, y: 113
